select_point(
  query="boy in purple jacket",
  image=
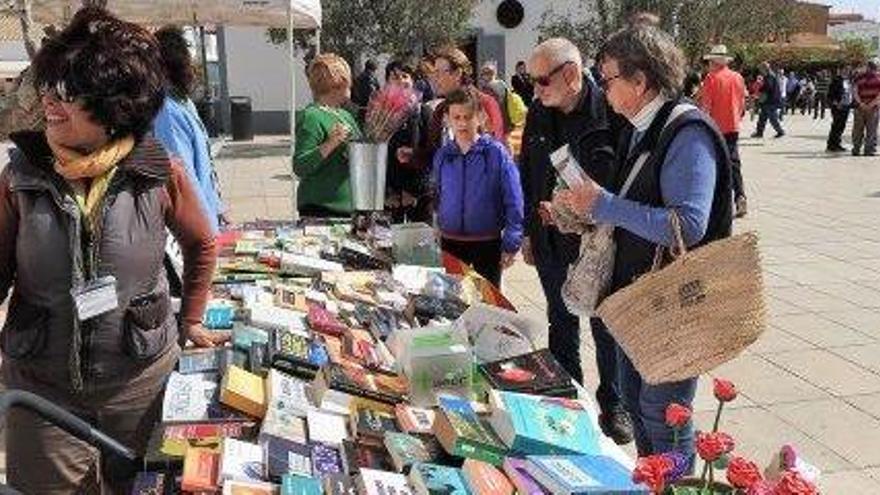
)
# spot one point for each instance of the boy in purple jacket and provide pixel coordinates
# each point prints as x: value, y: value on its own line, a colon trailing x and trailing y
x: 480, y: 201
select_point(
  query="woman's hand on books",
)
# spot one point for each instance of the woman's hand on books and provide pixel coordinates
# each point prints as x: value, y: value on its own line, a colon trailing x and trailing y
x: 202, y: 337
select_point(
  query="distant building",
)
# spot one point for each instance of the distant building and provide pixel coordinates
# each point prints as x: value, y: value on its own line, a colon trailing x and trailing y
x: 838, y: 19
x: 867, y: 31
x: 812, y: 18
x: 13, y: 57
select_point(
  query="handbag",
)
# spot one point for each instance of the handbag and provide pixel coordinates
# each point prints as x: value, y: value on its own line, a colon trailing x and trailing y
x: 589, y: 277
x: 698, y: 312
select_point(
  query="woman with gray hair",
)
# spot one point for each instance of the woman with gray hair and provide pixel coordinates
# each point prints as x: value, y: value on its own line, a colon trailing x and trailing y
x: 672, y: 162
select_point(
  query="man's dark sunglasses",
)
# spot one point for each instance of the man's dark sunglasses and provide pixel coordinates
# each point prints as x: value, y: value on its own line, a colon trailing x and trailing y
x: 547, y: 79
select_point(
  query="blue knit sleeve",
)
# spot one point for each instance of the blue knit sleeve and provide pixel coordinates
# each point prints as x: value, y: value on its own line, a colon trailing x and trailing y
x: 687, y: 184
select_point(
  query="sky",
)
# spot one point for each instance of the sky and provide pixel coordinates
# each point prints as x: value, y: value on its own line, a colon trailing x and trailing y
x: 868, y: 8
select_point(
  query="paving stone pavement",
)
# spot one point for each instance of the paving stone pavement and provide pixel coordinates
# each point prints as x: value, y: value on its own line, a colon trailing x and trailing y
x: 813, y: 379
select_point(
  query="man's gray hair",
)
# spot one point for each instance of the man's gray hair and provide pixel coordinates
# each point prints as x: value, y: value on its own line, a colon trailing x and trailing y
x: 558, y: 51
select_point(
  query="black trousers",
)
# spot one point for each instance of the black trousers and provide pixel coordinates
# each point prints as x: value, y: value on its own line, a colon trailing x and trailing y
x: 732, y: 140
x: 839, y: 116
x: 819, y: 107
x: 484, y: 256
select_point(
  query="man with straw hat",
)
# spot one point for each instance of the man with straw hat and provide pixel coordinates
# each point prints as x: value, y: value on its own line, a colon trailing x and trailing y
x: 723, y: 97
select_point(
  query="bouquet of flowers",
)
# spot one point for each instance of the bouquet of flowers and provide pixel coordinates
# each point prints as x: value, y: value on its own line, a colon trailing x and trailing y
x: 386, y: 112
x: 666, y: 474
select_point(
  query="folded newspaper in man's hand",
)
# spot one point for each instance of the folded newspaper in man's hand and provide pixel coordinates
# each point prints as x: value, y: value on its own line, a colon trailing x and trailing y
x: 567, y: 167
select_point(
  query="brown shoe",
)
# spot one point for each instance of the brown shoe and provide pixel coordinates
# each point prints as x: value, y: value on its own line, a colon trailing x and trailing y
x: 742, y: 207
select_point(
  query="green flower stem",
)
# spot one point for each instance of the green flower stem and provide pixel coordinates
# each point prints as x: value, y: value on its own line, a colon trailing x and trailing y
x: 718, y: 416
x: 705, y: 478
x: 675, y: 438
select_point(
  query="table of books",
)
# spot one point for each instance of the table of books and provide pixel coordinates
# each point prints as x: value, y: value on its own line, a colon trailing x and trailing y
x: 350, y: 373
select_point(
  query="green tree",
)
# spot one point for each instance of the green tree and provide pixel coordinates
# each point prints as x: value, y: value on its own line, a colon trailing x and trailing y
x: 696, y: 24
x: 356, y: 29
x: 583, y: 24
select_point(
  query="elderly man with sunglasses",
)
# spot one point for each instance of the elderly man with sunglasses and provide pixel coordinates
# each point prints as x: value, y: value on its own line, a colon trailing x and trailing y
x: 569, y: 109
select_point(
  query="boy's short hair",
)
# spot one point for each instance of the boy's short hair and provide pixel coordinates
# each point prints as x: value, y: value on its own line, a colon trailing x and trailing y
x: 405, y: 66
x: 468, y: 97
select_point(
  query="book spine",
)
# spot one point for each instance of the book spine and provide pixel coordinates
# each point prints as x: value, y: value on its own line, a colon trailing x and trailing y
x: 478, y: 451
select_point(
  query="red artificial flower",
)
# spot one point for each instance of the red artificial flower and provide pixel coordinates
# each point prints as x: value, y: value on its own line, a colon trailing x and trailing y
x: 742, y: 473
x: 651, y: 471
x: 677, y: 415
x: 725, y: 390
x: 711, y: 446
x: 792, y: 483
x: 760, y: 488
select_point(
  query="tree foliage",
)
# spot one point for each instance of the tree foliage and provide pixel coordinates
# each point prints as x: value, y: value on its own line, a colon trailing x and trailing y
x: 361, y: 28
x: 696, y: 24
x: 852, y: 52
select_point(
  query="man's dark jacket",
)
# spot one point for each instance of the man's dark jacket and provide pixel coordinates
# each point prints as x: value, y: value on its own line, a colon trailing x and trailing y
x: 590, y: 131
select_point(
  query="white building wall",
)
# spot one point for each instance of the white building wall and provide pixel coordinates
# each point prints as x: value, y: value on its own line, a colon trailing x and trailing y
x: 12, y: 51
x: 260, y: 70
x: 519, y: 41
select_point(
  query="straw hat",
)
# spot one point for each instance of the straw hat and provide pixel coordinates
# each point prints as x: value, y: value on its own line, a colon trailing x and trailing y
x: 719, y: 52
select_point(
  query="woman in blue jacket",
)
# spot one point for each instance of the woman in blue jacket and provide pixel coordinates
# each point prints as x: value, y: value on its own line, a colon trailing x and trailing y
x: 179, y: 128
x: 480, y: 201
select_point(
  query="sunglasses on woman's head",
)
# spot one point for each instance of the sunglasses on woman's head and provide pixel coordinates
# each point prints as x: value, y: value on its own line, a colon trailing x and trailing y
x: 57, y: 91
x: 545, y: 80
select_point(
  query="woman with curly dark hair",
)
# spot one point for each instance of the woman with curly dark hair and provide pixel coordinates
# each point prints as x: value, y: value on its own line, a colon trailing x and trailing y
x: 178, y: 126
x: 84, y: 208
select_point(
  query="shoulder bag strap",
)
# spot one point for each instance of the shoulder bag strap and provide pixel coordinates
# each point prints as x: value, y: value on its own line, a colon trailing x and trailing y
x: 677, y: 112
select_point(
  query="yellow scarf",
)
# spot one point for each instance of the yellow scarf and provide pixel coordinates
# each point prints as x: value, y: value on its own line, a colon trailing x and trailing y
x: 90, y: 175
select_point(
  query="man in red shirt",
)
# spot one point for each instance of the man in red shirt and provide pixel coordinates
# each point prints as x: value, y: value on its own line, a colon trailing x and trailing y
x: 866, y: 95
x: 723, y: 97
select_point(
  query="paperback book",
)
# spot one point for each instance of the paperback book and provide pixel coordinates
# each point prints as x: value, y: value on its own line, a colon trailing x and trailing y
x: 536, y: 373
x: 582, y: 475
x: 460, y: 431
x: 531, y: 424
x: 430, y: 479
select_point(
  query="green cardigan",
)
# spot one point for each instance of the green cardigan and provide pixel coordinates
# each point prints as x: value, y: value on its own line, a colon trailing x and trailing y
x: 322, y: 182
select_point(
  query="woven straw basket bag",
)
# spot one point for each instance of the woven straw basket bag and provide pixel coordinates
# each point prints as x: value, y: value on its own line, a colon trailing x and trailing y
x: 698, y: 312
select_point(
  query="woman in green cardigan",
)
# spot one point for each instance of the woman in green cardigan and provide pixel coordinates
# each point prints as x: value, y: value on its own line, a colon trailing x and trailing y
x: 320, y: 160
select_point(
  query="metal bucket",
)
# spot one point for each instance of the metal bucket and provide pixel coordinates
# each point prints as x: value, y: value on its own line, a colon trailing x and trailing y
x: 367, y: 164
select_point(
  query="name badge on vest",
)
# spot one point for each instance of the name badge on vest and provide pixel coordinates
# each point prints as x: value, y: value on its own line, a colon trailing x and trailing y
x: 95, y: 298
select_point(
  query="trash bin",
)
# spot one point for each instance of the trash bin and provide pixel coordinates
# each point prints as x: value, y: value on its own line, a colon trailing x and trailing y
x: 242, y: 118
